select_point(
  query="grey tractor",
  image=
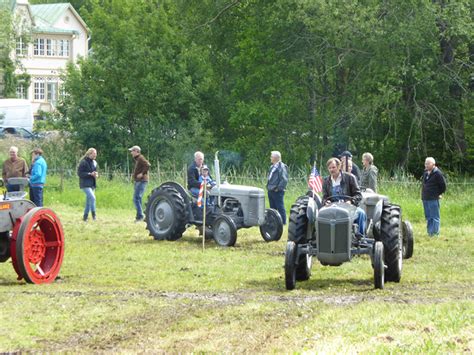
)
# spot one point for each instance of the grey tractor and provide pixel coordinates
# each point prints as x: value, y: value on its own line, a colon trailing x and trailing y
x: 325, y: 230
x: 171, y: 209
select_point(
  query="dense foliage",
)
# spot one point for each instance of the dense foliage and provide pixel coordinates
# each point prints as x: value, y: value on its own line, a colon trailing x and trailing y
x: 7, y: 87
x: 309, y: 78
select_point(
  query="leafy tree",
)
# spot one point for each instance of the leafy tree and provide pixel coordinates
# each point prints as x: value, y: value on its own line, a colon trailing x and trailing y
x: 141, y: 84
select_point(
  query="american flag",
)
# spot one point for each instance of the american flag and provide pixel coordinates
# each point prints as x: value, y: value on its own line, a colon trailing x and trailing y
x: 315, y: 183
x: 201, y: 192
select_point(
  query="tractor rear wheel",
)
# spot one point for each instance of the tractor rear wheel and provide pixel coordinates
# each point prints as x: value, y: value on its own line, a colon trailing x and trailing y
x: 379, y: 267
x: 303, y: 269
x: 408, y: 240
x: 224, y: 231
x: 392, y: 242
x: 37, y: 246
x: 290, y: 265
x: 165, y: 214
x: 298, y: 225
x: 272, y: 229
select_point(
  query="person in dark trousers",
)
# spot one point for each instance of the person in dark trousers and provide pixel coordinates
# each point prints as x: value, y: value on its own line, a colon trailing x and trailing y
x: 14, y: 167
x: 87, y: 172
x: 340, y: 183
x: 347, y: 156
x: 194, y: 171
x: 38, y: 172
x: 433, y: 187
x: 140, y: 177
x: 276, y: 184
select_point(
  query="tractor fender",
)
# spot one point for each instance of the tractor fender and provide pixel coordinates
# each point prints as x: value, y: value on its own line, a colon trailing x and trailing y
x: 184, y: 194
x: 378, y: 211
x: 312, y: 211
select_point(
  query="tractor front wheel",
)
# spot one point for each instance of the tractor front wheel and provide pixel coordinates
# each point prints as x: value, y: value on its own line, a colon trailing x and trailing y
x: 272, y: 229
x: 4, y: 246
x: 408, y: 240
x: 379, y: 267
x: 224, y: 231
x: 290, y: 265
x: 37, y: 246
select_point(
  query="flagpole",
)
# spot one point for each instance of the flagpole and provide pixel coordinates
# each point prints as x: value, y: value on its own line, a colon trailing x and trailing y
x: 204, y: 214
x: 314, y: 166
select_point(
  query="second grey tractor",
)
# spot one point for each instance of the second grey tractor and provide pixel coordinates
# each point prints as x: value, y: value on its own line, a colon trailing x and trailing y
x: 325, y: 230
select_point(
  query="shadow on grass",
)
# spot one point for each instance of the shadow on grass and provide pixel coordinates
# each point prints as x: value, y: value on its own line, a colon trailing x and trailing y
x: 197, y: 240
x: 11, y: 282
x: 315, y: 284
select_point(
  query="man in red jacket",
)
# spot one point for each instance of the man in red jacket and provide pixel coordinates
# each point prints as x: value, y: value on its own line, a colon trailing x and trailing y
x: 140, y: 176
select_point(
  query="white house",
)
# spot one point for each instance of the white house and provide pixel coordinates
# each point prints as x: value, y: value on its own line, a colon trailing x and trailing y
x: 49, y: 36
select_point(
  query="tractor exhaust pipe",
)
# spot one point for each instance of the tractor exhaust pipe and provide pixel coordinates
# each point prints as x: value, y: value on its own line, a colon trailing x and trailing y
x: 218, y: 178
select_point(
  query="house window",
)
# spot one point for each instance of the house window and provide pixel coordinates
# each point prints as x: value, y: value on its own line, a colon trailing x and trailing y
x: 39, y: 89
x: 63, y: 48
x: 39, y: 46
x: 50, y: 47
x: 21, y: 46
x: 52, y: 92
x: 21, y: 92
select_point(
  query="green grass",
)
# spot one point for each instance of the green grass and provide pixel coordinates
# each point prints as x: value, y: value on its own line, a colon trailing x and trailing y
x: 121, y: 291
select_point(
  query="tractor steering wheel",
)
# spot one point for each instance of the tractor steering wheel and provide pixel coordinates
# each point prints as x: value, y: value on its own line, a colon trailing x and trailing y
x: 337, y: 198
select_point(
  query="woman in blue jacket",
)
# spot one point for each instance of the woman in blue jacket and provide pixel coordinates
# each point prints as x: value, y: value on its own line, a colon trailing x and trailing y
x: 87, y: 172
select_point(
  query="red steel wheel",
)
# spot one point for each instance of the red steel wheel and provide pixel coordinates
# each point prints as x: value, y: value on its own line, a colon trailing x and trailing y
x: 38, y: 246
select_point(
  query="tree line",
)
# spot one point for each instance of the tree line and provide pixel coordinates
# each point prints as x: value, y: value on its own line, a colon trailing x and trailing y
x: 308, y: 78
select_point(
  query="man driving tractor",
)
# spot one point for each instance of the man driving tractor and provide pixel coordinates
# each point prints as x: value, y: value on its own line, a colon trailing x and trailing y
x: 342, y: 186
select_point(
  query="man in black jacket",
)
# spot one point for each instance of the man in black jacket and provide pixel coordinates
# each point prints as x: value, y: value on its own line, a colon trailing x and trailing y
x: 343, y: 184
x: 433, y: 186
x: 276, y: 184
x: 346, y: 156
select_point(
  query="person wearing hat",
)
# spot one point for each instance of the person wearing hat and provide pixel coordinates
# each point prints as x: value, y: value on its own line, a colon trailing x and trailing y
x: 210, y: 183
x: 346, y: 156
x: 39, y: 168
x: 140, y: 177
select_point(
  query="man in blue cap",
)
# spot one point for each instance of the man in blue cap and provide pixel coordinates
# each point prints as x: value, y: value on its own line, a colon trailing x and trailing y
x: 346, y: 156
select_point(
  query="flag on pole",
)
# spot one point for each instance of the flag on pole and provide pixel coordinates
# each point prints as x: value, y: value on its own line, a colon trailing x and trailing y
x: 201, y: 192
x: 315, y: 182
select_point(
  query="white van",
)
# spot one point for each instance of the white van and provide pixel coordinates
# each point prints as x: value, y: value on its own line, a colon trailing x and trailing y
x: 16, y: 113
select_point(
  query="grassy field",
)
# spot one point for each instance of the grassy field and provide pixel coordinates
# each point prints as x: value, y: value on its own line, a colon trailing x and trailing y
x: 121, y: 291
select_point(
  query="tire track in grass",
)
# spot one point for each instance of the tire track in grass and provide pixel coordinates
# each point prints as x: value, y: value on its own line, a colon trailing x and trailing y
x: 175, y: 309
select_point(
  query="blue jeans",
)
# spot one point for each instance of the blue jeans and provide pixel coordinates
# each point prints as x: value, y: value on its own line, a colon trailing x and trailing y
x: 432, y: 216
x: 194, y: 191
x: 36, y: 195
x: 361, y: 220
x: 276, y: 199
x: 90, y: 201
x: 138, y: 192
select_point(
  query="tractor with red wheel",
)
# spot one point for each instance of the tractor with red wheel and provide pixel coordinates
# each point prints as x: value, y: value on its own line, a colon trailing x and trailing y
x: 32, y: 236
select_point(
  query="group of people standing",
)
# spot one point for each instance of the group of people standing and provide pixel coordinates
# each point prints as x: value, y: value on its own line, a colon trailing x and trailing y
x: 17, y: 167
x: 346, y: 180
x: 87, y: 172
